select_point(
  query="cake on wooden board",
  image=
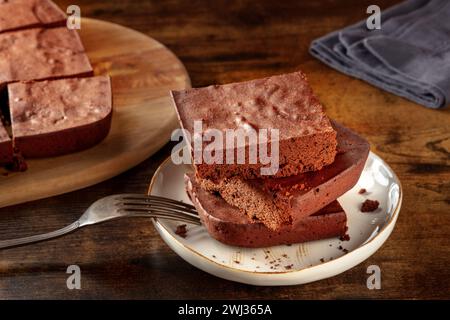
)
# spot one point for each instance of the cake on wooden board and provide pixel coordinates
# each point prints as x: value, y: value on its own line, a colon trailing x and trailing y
x: 21, y: 14
x: 55, y: 117
x: 39, y: 53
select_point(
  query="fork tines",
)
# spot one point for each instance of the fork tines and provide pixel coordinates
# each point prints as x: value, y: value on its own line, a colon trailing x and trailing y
x: 159, y: 207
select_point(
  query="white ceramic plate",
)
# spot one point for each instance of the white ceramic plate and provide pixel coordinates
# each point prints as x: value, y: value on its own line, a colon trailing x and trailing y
x: 298, y: 263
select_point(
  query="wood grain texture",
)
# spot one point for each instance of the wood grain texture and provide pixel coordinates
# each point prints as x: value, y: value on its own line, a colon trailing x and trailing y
x: 142, y: 72
x: 220, y: 42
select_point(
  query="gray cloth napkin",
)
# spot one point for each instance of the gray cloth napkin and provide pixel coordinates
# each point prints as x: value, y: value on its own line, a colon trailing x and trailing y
x: 409, y: 56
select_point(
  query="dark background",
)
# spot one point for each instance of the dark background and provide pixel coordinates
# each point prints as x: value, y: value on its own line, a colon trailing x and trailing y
x: 220, y: 42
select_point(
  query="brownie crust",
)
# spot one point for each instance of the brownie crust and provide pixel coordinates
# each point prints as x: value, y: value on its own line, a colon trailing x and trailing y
x: 21, y: 14
x: 277, y: 201
x: 51, y: 118
x: 307, y: 141
x: 230, y: 226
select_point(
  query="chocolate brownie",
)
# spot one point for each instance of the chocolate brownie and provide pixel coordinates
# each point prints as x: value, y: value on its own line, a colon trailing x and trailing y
x: 229, y: 225
x: 6, y: 147
x: 277, y: 201
x: 20, y: 14
x: 36, y: 54
x: 55, y: 117
x: 307, y: 141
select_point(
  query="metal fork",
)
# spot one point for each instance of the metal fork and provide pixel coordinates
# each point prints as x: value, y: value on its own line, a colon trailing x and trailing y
x: 115, y: 207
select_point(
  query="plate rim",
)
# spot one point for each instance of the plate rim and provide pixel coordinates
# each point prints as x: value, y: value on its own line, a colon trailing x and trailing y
x: 392, y: 221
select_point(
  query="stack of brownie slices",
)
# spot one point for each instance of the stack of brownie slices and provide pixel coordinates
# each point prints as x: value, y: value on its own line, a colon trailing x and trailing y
x: 51, y: 102
x: 319, y: 160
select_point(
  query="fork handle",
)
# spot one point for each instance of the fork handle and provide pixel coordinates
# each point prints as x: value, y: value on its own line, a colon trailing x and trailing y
x: 40, y: 237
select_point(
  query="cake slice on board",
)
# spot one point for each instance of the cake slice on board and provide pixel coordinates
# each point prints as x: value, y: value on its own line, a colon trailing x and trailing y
x: 38, y: 53
x: 55, y: 117
x: 21, y: 14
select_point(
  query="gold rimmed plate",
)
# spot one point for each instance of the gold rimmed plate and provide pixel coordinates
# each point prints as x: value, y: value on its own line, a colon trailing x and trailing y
x: 297, y: 263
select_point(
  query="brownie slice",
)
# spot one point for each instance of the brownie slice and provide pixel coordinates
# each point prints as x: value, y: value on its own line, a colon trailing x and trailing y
x: 21, y: 14
x: 231, y: 226
x: 55, y: 117
x: 36, y: 54
x: 6, y: 147
x: 307, y: 141
x: 277, y: 201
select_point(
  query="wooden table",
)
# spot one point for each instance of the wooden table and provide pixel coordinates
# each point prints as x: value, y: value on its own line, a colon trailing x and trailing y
x: 220, y: 42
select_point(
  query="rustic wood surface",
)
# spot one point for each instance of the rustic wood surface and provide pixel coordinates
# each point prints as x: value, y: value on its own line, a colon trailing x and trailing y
x: 219, y: 42
x: 142, y: 70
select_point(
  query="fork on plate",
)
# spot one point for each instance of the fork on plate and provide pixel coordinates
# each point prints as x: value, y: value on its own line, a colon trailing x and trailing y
x: 116, y: 207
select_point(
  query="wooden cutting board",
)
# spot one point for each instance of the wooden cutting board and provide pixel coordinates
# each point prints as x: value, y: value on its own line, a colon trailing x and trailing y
x: 142, y: 72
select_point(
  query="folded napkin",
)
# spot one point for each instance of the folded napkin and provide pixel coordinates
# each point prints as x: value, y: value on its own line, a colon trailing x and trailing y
x: 409, y: 56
